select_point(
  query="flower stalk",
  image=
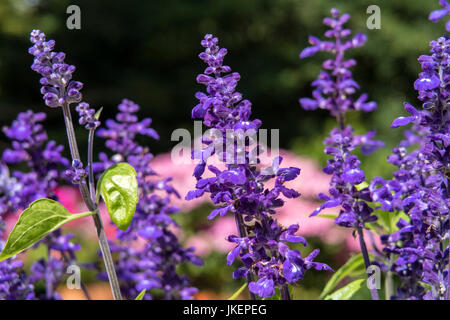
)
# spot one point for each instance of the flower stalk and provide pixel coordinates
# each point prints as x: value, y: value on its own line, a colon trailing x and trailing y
x: 92, y: 206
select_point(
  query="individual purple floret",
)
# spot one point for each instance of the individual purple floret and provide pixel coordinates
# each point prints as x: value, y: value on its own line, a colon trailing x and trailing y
x: 77, y: 174
x: 154, y: 265
x: 437, y: 15
x: 420, y: 188
x: 87, y: 116
x: 45, y: 162
x: 335, y: 91
x: 262, y: 244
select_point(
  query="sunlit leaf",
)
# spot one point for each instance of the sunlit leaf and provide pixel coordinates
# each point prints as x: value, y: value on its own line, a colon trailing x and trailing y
x: 119, y: 189
x: 42, y: 217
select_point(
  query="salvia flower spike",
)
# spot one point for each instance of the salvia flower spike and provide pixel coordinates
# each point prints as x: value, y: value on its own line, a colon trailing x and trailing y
x: 268, y: 262
x: 335, y: 91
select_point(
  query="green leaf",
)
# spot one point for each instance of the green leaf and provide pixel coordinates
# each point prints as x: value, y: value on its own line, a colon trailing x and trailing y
x: 119, y: 189
x: 361, y: 186
x: 42, y: 217
x: 98, y: 113
x: 328, y: 216
x: 238, y: 292
x: 141, y: 295
x: 346, y: 292
x: 353, y: 264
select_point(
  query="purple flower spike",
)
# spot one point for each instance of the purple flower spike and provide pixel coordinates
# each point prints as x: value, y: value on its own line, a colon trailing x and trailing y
x: 418, y: 252
x: 87, y: 116
x: 336, y: 94
x: 57, y: 87
x: 239, y: 189
x: 76, y: 173
x: 45, y: 163
x: 334, y: 90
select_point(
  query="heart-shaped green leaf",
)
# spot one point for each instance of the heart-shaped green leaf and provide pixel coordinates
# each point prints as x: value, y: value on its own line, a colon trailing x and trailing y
x: 119, y: 189
x: 346, y: 292
x: 42, y: 217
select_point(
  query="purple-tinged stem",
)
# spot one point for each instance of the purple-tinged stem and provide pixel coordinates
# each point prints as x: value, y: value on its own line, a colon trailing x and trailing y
x: 365, y: 254
x: 102, y: 240
x: 48, y: 278
x: 285, y: 295
x: 90, y: 162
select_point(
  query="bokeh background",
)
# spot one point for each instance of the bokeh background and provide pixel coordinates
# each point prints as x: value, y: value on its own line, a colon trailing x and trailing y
x: 147, y: 51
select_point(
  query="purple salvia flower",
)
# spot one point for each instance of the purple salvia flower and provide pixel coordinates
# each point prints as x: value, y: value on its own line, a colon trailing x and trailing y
x: 14, y: 283
x: 45, y: 161
x: 87, y: 116
x: 420, y: 187
x: 268, y: 262
x: 9, y: 192
x: 153, y: 266
x: 57, y: 86
x: 335, y: 91
x: 77, y: 174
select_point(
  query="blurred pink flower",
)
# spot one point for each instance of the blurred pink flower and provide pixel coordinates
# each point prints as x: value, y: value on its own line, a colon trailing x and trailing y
x: 311, y: 182
x: 215, y: 238
x: 70, y: 198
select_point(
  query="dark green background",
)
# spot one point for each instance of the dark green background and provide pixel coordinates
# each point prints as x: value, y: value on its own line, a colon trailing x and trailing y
x: 148, y: 51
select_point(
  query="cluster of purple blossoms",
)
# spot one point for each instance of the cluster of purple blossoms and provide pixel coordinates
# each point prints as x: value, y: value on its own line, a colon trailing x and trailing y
x: 60, y: 91
x: 9, y: 192
x: 154, y: 265
x: 57, y: 87
x: 262, y: 244
x: 14, y: 283
x: 437, y: 15
x: 334, y: 90
x: 87, y: 116
x: 419, y: 250
x: 76, y: 173
x: 29, y: 145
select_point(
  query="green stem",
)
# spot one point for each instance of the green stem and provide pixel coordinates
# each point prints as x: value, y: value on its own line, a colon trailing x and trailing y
x: 92, y: 206
x: 365, y: 254
x: 388, y: 285
x: 285, y: 295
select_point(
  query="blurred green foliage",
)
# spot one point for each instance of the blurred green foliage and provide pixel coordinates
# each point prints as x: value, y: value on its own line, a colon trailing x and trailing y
x: 147, y: 51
